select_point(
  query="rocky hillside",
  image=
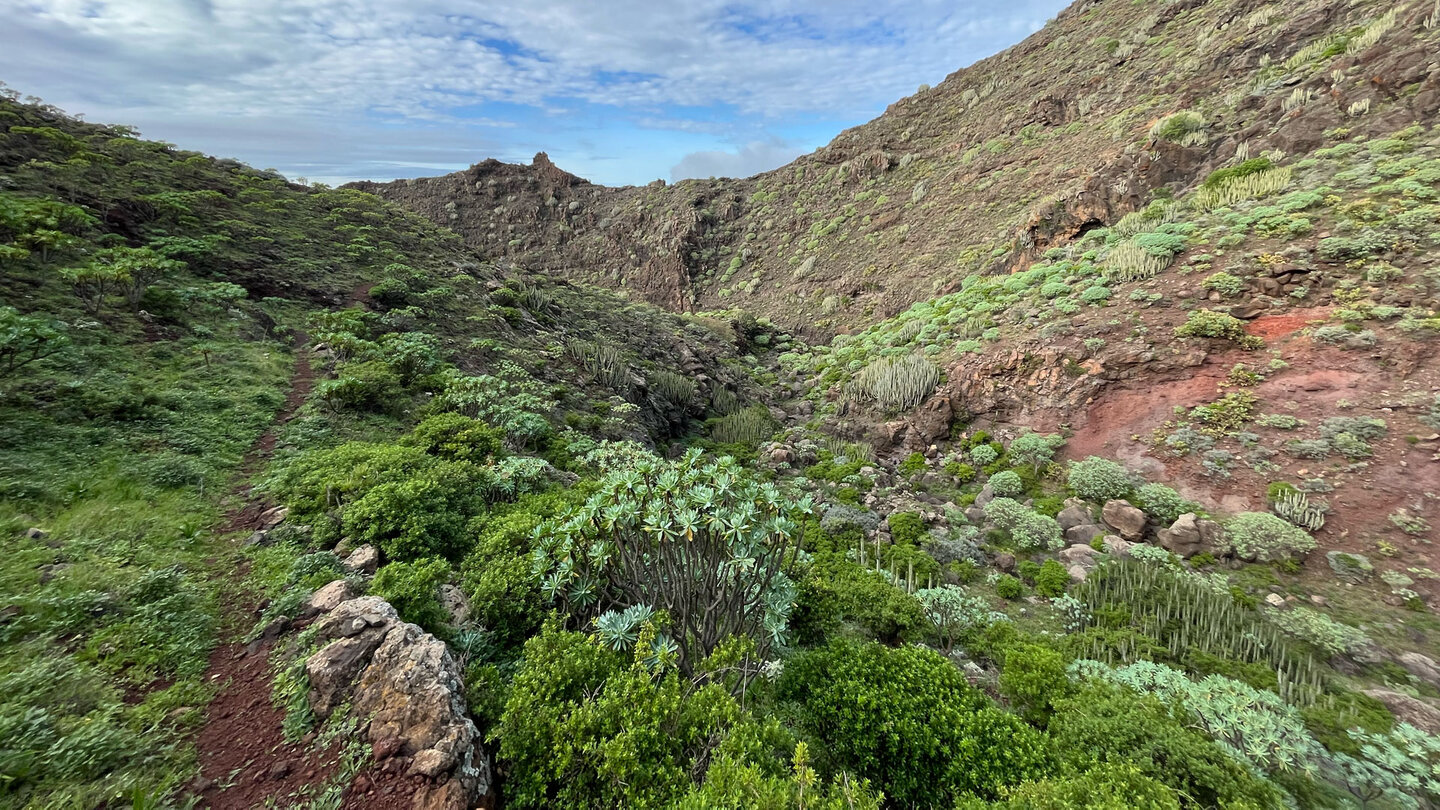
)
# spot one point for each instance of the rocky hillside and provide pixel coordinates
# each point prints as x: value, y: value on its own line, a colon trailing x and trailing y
x: 1070, y: 130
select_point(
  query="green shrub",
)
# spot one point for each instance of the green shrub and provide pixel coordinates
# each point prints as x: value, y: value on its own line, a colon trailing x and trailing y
x: 913, y: 463
x: 983, y: 455
x: 1162, y: 503
x: 1029, y: 529
x: 1219, y: 177
x: 837, y: 590
x: 929, y: 743
x: 369, y: 385
x: 1263, y: 537
x: 1009, y: 587
x: 456, y: 437
x: 1105, y: 725
x: 413, y: 588
x: 1109, y: 786
x: 1052, y: 580
x: 1099, y: 479
x: 1034, y: 450
x: 1032, y: 679
x: 907, y: 528
x: 961, y: 472
x: 1227, y: 285
x: 897, y: 383
x: 1204, y: 323
x: 1006, y: 484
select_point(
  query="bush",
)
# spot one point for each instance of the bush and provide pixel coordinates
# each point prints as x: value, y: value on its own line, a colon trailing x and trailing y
x: 418, y: 517
x: 1219, y: 177
x: 1227, y: 285
x: 1110, y: 786
x: 413, y: 588
x: 1009, y: 587
x: 1029, y: 529
x: 456, y: 437
x: 906, y: 528
x: 1103, y: 725
x: 1263, y: 537
x: 926, y: 744
x: 1204, y: 323
x: 1162, y: 503
x: 1099, y: 480
x: 1032, y: 679
x: 837, y: 590
x: 898, y: 383
x: 1052, y: 580
x: 370, y: 385
x: 983, y: 455
x: 1006, y: 484
x: 913, y: 463
x: 1034, y: 450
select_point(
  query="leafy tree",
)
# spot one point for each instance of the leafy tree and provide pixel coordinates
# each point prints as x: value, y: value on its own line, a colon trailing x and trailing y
x: 411, y: 354
x: 907, y: 720
x: 701, y: 541
x: 93, y: 283
x: 1034, y: 449
x: 952, y: 613
x: 27, y: 338
x: 836, y: 590
x: 1006, y: 484
x: 1028, y: 528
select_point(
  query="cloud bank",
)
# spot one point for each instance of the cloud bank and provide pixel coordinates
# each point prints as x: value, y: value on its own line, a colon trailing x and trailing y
x: 622, y: 89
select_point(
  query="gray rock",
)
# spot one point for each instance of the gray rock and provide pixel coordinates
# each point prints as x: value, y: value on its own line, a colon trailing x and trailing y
x: 329, y: 597
x: 1421, y: 666
x: 1082, y: 535
x: 1005, y: 561
x: 273, y: 517
x: 1079, y: 555
x: 1275, y: 600
x: 1419, y: 713
x: 1124, y: 518
x: 975, y: 515
x: 1189, y: 535
x: 1352, y: 568
x: 1078, y: 573
x: 985, y: 496
x: 335, y: 666
x: 1117, y: 546
x: 456, y: 603
x: 36, y: 533
x: 1077, y: 515
x: 363, y: 560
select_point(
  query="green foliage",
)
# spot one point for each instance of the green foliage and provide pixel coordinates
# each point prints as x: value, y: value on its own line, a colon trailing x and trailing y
x: 1162, y: 503
x: 1034, y: 450
x: 1204, y: 323
x: 1028, y: 529
x: 1098, y: 479
x: 455, y: 437
x: 1110, y: 786
x: 512, y: 401
x: 582, y: 729
x: 1105, y: 725
x: 1009, y: 587
x: 413, y: 588
x: 913, y: 463
x: 371, y: 385
x: 932, y: 740
x: 1052, y: 580
x: 1220, y: 177
x: 1326, y: 634
x: 907, y: 528
x: 1185, y: 128
x: 747, y: 425
x: 496, y: 574
x: 709, y: 519
x: 1032, y: 680
x: 25, y: 339
x: 1227, y: 285
x: 953, y: 614
x: 1189, y: 619
x: 837, y: 591
x: 1006, y: 484
x: 1263, y: 537
x: 983, y: 455
x: 897, y: 383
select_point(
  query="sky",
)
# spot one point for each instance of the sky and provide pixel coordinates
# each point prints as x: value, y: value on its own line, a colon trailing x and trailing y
x: 617, y: 91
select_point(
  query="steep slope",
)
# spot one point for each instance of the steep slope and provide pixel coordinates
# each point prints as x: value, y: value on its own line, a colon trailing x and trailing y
x: 1019, y: 153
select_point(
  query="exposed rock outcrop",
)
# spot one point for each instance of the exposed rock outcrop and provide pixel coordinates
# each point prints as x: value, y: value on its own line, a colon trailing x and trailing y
x: 1189, y: 535
x: 407, y: 685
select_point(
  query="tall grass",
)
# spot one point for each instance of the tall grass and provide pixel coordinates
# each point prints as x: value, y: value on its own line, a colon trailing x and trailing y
x: 896, y: 383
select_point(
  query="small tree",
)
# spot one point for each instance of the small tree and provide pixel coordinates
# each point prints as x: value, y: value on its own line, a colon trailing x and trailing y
x: 93, y: 283
x: 700, y: 541
x: 25, y: 339
x: 1035, y: 449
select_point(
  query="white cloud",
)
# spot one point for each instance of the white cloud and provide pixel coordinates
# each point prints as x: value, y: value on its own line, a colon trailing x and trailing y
x: 166, y: 64
x: 752, y: 158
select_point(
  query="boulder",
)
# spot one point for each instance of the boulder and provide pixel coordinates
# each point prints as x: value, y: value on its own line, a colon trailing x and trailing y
x: 1078, y: 573
x: 36, y: 533
x: 930, y: 422
x: 1421, y: 666
x: 456, y: 604
x: 1124, y: 518
x: 272, y: 517
x: 1419, y: 713
x: 1117, y: 546
x: 329, y: 597
x: 408, y: 684
x: 1352, y: 568
x: 363, y: 560
x: 1079, y: 555
x: 1189, y: 535
x: 1083, y: 534
x: 1005, y: 561
x: 986, y: 495
x: 1275, y: 600
x: 1076, y: 515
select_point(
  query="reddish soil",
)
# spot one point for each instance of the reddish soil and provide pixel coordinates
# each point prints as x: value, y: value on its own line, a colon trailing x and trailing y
x: 244, y: 759
x: 1272, y: 327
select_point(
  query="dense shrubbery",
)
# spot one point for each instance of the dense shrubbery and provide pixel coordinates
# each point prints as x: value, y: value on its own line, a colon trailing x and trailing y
x: 1099, y: 479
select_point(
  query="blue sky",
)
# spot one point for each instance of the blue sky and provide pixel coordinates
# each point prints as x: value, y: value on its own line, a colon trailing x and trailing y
x: 617, y: 91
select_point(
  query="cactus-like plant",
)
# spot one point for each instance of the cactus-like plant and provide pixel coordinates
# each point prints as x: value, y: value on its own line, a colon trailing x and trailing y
x: 1296, y: 507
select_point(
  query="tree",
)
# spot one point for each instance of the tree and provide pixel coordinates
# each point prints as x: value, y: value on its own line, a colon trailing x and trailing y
x: 701, y: 541
x: 93, y: 283
x: 1035, y: 449
x: 25, y: 339
x: 141, y: 267
x: 953, y: 613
